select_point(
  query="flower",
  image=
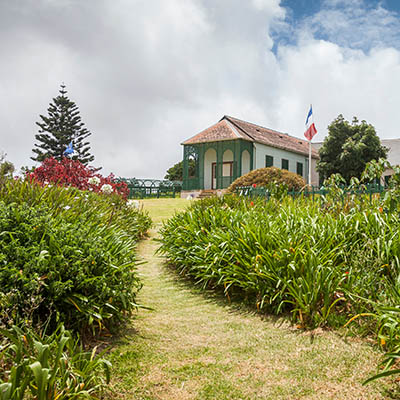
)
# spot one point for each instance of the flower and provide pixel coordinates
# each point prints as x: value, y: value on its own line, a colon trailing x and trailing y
x: 254, y: 185
x: 251, y: 204
x: 73, y: 174
x: 94, y: 180
x: 132, y: 204
x: 106, y: 188
x: 67, y: 207
x: 347, y: 272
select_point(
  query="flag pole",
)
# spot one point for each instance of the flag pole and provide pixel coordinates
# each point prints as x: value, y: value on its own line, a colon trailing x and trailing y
x: 309, y: 162
x: 309, y: 158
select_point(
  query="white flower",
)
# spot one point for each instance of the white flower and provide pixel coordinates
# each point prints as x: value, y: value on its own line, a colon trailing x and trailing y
x: 94, y: 180
x: 67, y: 207
x: 46, y: 182
x: 132, y: 204
x: 106, y: 188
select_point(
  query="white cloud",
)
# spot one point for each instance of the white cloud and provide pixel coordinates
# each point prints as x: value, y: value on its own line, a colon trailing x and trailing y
x: 148, y: 74
x: 355, y: 24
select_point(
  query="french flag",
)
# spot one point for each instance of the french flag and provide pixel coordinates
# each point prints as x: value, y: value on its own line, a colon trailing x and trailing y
x: 310, y: 127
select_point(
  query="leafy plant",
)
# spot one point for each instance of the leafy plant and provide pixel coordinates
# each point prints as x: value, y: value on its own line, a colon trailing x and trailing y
x: 67, y: 255
x: 69, y: 172
x: 49, y: 367
x: 271, y: 178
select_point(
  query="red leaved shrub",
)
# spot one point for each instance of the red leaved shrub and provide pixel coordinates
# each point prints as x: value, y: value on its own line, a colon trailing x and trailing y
x: 69, y: 172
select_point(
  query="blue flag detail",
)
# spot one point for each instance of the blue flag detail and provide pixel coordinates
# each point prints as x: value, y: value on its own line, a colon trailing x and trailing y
x: 309, y: 115
x: 69, y: 150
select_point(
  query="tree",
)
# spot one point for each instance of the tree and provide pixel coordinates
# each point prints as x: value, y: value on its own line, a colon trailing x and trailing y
x: 62, y: 126
x: 6, y: 168
x: 348, y: 148
x: 175, y: 173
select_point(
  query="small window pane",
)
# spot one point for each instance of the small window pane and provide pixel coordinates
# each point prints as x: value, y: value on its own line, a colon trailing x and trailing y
x: 269, y: 161
x: 299, y: 169
x: 285, y: 164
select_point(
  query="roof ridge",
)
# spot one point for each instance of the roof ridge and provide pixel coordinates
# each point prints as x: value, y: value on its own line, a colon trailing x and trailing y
x: 264, y: 127
x: 237, y: 126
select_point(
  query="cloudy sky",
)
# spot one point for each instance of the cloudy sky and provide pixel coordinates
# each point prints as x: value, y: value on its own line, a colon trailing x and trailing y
x: 148, y: 74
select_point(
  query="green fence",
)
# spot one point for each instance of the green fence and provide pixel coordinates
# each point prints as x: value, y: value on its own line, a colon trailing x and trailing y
x: 151, y: 188
x: 312, y: 192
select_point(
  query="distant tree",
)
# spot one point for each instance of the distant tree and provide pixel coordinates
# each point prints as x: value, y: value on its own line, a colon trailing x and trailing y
x: 6, y: 168
x: 348, y: 148
x: 175, y: 173
x: 61, y: 127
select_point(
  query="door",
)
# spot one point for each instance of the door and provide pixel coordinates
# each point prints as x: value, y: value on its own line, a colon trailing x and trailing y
x: 214, y: 176
x: 227, y: 172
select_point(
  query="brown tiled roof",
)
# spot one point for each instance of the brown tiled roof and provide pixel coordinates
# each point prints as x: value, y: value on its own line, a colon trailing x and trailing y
x: 229, y: 128
x: 272, y: 138
x: 222, y: 130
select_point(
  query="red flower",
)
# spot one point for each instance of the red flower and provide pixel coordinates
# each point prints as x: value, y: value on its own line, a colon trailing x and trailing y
x: 347, y: 272
x: 69, y: 172
x: 251, y: 203
x: 254, y: 185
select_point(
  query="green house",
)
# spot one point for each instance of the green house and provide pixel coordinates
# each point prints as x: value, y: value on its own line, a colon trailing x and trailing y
x: 215, y: 157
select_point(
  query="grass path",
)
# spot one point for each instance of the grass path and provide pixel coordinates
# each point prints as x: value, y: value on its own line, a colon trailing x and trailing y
x: 194, y: 346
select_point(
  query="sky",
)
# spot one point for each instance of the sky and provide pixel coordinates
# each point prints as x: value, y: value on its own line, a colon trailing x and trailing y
x: 148, y: 74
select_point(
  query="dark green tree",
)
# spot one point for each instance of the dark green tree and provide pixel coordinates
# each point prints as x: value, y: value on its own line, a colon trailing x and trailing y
x: 175, y: 173
x: 348, y: 148
x: 62, y: 126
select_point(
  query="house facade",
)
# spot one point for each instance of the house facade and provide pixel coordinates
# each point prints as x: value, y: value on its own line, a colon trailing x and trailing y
x: 215, y: 157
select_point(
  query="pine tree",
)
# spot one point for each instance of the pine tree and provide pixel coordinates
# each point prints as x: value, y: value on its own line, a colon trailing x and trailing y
x: 62, y: 126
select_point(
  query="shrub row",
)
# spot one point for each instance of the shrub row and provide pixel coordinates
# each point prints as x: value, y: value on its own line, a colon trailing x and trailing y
x: 67, y: 255
x: 322, y: 265
x: 66, y: 260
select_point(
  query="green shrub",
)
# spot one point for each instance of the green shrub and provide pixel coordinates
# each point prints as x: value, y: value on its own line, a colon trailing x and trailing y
x: 49, y: 367
x: 67, y: 256
x: 294, y: 256
x: 264, y: 177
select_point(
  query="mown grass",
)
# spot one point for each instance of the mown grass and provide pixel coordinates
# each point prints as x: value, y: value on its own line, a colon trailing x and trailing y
x: 161, y: 209
x: 195, y: 345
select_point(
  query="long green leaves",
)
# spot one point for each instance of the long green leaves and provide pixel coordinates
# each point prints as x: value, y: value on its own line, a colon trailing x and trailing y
x: 49, y: 367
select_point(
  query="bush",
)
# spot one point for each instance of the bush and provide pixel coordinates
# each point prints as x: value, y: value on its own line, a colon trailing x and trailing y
x: 290, y: 256
x: 68, y: 172
x: 67, y: 255
x: 264, y: 177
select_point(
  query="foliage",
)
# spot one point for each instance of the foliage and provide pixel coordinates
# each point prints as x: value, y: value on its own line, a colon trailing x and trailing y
x: 62, y: 126
x: 175, y: 173
x: 69, y: 172
x: 48, y: 367
x: 67, y: 255
x: 6, y: 168
x: 348, y: 148
x: 333, y: 260
x: 270, y: 176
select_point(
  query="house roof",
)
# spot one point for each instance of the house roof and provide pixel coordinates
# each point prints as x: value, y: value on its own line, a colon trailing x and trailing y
x: 230, y: 128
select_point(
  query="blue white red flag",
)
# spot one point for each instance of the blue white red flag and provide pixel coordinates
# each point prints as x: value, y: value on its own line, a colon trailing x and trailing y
x: 311, y: 130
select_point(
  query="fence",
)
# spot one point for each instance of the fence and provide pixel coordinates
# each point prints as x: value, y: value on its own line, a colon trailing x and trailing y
x: 368, y: 189
x: 151, y: 188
